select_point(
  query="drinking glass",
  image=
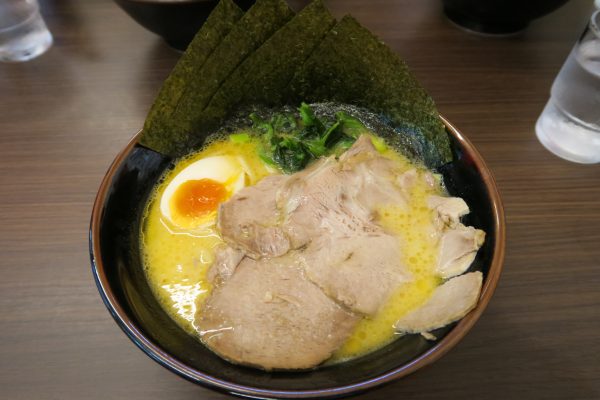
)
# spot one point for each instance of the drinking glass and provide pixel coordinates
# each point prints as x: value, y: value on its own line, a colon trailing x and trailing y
x: 23, y: 33
x: 569, y: 126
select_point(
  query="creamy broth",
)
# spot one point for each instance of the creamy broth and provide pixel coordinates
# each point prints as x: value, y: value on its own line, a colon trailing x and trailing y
x: 413, y: 226
x: 176, y: 260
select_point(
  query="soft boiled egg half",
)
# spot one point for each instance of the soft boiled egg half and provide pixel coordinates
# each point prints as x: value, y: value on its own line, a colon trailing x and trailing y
x: 192, y: 198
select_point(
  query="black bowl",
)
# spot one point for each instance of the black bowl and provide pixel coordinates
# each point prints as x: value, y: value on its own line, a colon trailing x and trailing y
x: 117, y: 268
x: 177, y: 21
x: 497, y: 17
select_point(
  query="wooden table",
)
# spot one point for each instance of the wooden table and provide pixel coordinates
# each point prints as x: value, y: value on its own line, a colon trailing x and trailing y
x: 64, y: 116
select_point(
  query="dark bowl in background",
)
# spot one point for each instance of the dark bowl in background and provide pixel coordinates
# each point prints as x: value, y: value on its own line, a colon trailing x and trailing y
x: 177, y: 21
x: 119, y: 275
x: 497, y: 17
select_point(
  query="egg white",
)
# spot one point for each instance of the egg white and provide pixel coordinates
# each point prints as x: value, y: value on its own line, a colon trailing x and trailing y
x: 228, y: 170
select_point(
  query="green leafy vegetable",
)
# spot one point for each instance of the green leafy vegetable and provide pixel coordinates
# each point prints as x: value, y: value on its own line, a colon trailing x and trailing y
x: 239, y: 137
x: 350, y: 125
x: 379, y: 144
x: 291, y: 142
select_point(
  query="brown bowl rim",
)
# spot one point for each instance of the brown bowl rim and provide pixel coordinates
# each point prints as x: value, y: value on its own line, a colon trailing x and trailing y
x: 430, y: 356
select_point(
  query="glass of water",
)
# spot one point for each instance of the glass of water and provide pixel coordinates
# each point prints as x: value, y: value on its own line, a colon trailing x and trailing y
x: 23, y: 33
x: 569, y: 126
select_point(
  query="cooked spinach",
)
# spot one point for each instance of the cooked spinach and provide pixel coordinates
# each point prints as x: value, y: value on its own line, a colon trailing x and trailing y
x: 291, y: 141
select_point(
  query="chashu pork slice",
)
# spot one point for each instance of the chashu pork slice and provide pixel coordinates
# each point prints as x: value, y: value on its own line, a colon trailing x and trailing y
x: 329, y: 209
x: 268, y: 315
x: 338, y: 197
x: 458, y: 243
x: 374, y: 178
x: 448, y: 209
x: 458, y: 248
x: 248, y: 221
x: 315, y: 203
x: 449, y: 302
x: 360, y: 271
x: 224, y: 265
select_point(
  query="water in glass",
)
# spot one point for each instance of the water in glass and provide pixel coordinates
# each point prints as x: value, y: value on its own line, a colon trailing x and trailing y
x: 23, y: 33
x: 569, y: 126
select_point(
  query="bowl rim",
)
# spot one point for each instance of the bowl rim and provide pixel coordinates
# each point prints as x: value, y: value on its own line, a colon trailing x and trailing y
x: 428, y: 357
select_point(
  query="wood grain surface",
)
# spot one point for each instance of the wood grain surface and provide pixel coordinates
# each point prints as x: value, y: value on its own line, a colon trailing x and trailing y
x: 64, y: 116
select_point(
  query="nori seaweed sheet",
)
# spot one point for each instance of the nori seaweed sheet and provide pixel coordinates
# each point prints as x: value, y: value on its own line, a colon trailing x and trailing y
x: 405, y: 144
x: 352, y: 66
x: 264, y: 59
x: 264, y: 76
x: 263, y: 19
x: 217, y: 26
x: 258, y: 24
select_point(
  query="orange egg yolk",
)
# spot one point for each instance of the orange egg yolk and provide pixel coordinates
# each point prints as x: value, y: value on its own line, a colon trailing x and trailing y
x: 198, y: 198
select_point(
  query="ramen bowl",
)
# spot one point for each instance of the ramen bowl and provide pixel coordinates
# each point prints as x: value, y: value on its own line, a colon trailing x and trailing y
x: 119, y: 275
x: 177, y: 21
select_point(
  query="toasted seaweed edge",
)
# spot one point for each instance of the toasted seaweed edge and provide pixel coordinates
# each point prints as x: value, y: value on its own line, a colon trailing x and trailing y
x: 380, y: 80
x: 348, y: 53
x: 272, y: 66
x: 263, y: 19
x: 218, y: 24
